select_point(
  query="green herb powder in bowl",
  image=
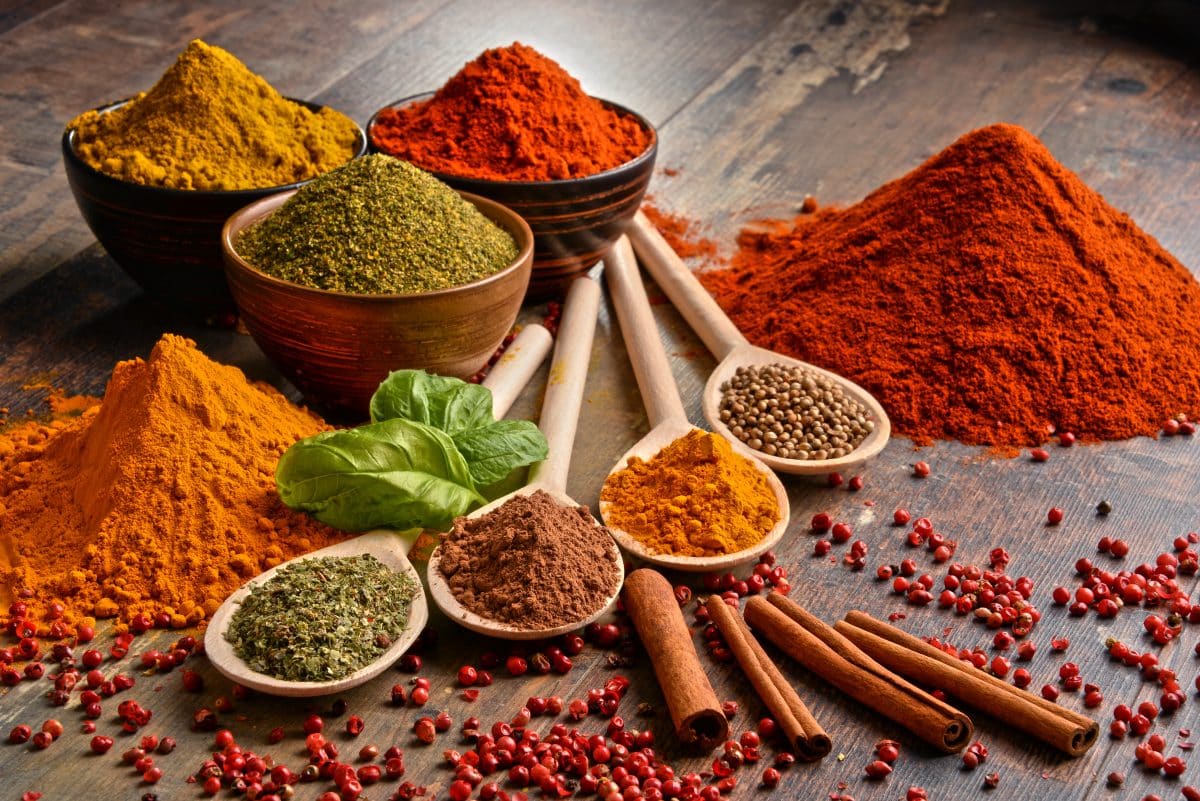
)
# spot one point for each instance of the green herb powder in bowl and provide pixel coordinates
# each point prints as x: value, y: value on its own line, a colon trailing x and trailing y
x: 321, y: 619
x: 377, y: 225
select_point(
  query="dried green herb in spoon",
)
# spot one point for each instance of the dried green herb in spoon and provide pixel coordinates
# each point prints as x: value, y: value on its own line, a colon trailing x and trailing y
x: 321, y: 619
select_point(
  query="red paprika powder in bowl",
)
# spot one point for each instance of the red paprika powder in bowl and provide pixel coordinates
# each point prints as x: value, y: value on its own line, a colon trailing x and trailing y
x: 513, y: 126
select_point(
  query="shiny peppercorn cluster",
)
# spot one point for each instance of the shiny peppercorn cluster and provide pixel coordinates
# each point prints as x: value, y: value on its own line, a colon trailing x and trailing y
x: 1178, y: 425
x: 567, y: 760
x: 1172, y: 695
x: 1150, y: 754
x: 1149, y: 584
x: 886, y: 753
x: 839, y: 533
x: 72, y: 671
x: 991, y: 596
x: 259, y: 777
x: 975, y: 753
x: 998, y: 665
x: 764, y: 575
x: 935, y: 542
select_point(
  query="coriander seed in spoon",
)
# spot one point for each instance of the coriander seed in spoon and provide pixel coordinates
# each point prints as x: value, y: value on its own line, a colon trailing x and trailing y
x: 794, y: 416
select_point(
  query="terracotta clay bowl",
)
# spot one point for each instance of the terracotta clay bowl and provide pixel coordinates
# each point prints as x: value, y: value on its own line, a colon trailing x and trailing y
x: 573, y: 220
x: 168, y: 240
x: 336, y: 347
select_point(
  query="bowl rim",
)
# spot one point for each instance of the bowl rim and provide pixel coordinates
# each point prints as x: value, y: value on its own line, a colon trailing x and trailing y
x: 253, y: 213
x: 362, y: 144
x: 646, y: 155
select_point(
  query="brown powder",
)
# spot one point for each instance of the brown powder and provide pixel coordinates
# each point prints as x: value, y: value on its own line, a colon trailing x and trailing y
x: 531, y: 563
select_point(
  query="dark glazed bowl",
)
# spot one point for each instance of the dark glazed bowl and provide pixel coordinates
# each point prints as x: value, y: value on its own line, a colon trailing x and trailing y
x: 336, y: 347
x: 573, y: 220
x: 168, y: 240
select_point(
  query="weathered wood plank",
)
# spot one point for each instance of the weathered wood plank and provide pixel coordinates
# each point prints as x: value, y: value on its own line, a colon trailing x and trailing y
x: 18, y: 12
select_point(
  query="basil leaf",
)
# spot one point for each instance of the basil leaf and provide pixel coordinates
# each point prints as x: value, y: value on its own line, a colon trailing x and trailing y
x: 450, y: 404
x: 494, y: 451
x: 395, y: 474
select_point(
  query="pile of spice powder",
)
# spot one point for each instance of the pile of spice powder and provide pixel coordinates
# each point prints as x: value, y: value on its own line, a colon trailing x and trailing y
x: 162, y: 499
x: 321, y: 619
x: 377, y: 225
x: 695, y: 497
x: 512, y: 114
x: 531, y: 563
x: 988, y: 296
x: 209, y: 123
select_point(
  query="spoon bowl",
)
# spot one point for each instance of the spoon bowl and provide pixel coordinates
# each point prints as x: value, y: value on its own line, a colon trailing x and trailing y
x: 645, y: 449
x: 732, y: 351
x: 439, y: 589
x: 386, y: 546
x: 747, y: 355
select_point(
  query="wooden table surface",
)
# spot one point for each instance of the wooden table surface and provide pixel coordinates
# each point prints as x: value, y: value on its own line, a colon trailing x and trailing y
x: 758, y: 103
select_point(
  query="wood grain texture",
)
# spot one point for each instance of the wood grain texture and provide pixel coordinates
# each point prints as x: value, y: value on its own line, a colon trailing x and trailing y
x: 758, y: 104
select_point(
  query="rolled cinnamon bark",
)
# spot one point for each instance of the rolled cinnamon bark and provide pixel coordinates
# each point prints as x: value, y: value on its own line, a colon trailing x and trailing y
x: 836, y: 660
x: 1066, y: 730
x: 809, y: 741
x: 695, y: 710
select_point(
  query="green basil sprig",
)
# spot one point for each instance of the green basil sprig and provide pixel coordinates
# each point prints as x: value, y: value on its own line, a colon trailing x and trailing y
x: 427, y: 456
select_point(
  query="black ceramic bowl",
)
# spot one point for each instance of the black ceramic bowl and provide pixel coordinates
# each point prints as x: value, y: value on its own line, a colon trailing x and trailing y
x: 168, y: 240
x: 573, y: 220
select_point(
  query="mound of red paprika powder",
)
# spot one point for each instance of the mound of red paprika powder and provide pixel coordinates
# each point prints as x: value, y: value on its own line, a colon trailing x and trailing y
x: 989, y: 296
x: 512, y: 114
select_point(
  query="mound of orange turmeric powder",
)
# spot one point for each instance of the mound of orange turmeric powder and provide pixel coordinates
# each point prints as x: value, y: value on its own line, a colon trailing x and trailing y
x: 160, y: 499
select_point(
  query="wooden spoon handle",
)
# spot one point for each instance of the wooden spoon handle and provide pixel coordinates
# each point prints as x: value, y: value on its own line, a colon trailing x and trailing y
x: 645, y: 347
x: 520, y: 361
x: 564, y: 388
x: 703, y: 314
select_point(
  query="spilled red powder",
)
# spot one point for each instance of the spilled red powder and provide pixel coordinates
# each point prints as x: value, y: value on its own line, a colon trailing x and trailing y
x: 682, y: 234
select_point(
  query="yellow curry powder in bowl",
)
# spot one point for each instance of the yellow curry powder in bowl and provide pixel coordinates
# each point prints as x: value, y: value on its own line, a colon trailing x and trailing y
x: 212, y: 124
x: 156, y: 177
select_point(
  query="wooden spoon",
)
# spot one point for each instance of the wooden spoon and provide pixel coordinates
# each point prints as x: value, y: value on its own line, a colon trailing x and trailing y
x: 506, y: 380
x: 560, y: 416
x: 732, y: 350
x: 512, y: 371
x: 664, y: 408
x: 387, y: 547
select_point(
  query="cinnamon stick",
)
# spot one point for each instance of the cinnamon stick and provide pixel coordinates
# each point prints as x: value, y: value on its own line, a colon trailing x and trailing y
x: 695, y: 710
x: 809, y: 741
x: 836, y: 660
x: 1066, y: 730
